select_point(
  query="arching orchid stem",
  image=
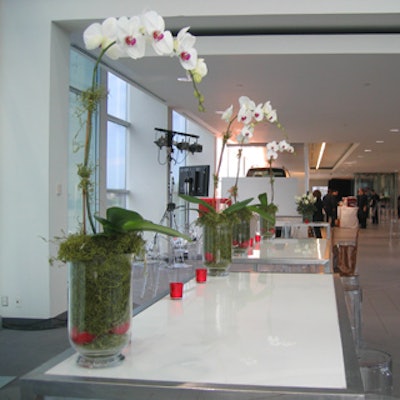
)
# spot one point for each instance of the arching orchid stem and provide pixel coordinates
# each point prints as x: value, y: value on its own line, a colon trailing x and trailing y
x: 91, y: 102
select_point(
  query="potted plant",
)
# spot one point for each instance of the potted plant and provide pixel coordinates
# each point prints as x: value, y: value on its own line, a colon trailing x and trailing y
x: 306, y: 206
x: 217, y: 233
x: 100, y: 296
x: 218, y: 216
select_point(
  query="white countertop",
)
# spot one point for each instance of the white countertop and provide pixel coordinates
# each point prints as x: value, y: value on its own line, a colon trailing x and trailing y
x: 248, y: 328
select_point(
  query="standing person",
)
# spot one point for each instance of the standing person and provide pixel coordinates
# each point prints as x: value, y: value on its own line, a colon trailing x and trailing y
x: 335, y: 202
x: 318, y: 215
x: 362, y: 204
x: 398, y: 206
x: 374, y: 203
x: 330, y: 206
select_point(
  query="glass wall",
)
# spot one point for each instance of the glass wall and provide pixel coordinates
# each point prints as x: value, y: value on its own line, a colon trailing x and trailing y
x: 385, y: 185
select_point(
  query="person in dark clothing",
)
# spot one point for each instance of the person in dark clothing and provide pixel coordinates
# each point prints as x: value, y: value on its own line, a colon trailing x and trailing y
x: 374, y: 204
x: 362, y: 204
x: 330, y: 206
x: 318, y: 215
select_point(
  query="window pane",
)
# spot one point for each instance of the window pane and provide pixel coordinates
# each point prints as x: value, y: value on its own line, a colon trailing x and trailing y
x: 80, y: 79
x: 115, y: 199
x: 116, y: 156
x: 117, y: 97
x: 81, y: 70
x: 178, y: 122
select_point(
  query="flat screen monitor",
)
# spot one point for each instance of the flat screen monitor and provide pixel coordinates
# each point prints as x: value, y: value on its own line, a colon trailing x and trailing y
x: 194, y: 180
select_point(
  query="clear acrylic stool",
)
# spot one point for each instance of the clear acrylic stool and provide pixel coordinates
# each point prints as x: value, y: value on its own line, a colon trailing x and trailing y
x: 353, y: 297
x: 376, y: 370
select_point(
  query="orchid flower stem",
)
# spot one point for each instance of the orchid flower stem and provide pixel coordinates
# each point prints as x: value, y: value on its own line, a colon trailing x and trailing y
x: 225, y: 138
x: 239, y: 156
x: 86, y: 172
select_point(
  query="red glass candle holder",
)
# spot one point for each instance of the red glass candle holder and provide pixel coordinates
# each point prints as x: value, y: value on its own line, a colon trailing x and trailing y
x: 201, y: 275
x: 176, y: 290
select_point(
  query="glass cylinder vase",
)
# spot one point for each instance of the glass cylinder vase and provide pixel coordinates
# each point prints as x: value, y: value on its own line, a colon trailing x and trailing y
x: 217, y: 248
x: 100, y: 309
x: 268, y: 227
x: 241, y: 236
x: 307, y: 218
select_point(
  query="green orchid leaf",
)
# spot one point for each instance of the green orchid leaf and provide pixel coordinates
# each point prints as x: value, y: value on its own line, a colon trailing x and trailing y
x: 197, y: 200
x: 145, y: 225
x: 266, y: 214
x: 237, y: 206
x: 108, y: 227
x: 118, y: 216
x: 263, y: 199
x: 120, y: 220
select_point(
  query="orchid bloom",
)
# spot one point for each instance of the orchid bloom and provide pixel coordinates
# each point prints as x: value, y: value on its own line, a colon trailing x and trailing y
x: 200, y: 71
x: 270, y: 114
x: 285, y: 146
x: 258, y: 113
x: 130, y: 38
x: 245, y: 113
x: 183, y: 45
x: 227, y: 114
x: 103, y: 35
x: 246, y: 134
x: 273, y: 146
x: 272, y: 154
x: 162, y: 41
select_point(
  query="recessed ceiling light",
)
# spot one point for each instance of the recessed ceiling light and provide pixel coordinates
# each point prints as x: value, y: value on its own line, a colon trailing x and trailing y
x: 394, y: 130
x: 380, y: 141
x: 367, y: 150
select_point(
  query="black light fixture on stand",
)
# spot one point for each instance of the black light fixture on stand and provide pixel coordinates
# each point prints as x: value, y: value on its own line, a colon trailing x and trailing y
x: 168, y: 142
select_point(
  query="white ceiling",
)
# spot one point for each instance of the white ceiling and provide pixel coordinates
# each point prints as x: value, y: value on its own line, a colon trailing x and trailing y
x: 331, y: 78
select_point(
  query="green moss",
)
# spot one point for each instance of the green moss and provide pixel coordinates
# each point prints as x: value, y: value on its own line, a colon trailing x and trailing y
x: 80, y: 247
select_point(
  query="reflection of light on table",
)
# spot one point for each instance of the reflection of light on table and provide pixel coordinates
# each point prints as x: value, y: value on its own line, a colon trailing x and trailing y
x: 319, y: 250
x: 310, y: 252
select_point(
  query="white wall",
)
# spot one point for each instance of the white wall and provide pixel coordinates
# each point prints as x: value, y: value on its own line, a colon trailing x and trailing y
x: 33, y: 128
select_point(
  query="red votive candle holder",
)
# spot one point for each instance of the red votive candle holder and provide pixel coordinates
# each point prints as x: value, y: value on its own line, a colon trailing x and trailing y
x: 176, y: 290
x: 257, y: 238
x: 201, y: 275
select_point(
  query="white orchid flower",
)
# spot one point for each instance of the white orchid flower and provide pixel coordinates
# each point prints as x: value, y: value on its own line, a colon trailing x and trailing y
x: 242, y: 139
x: 272, y: 154
x: 130, y: 38
x: 274, y: 146
x: 162, y: 41
x: 184, y: 47
x: 227, y: 114
x: 102, y: 35
x: 200, y: 71
x: 246, y: 102
x: 245, y: 115
x: 258, y: 113
x: 284, y: 145
x: 270, y: 113
x: 246, y: 133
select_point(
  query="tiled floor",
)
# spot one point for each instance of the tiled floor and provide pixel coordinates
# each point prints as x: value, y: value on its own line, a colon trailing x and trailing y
x: 378, y: 265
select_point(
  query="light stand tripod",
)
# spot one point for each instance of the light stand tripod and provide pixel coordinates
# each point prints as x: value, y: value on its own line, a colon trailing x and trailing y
x: 169, y: 214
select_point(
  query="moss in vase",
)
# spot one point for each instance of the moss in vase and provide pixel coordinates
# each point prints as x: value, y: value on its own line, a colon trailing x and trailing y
x: 80, y: 247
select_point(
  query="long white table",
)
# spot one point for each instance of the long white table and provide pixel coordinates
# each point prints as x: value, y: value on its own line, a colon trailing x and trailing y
x: 244, y: 336
x: 309, y: 253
